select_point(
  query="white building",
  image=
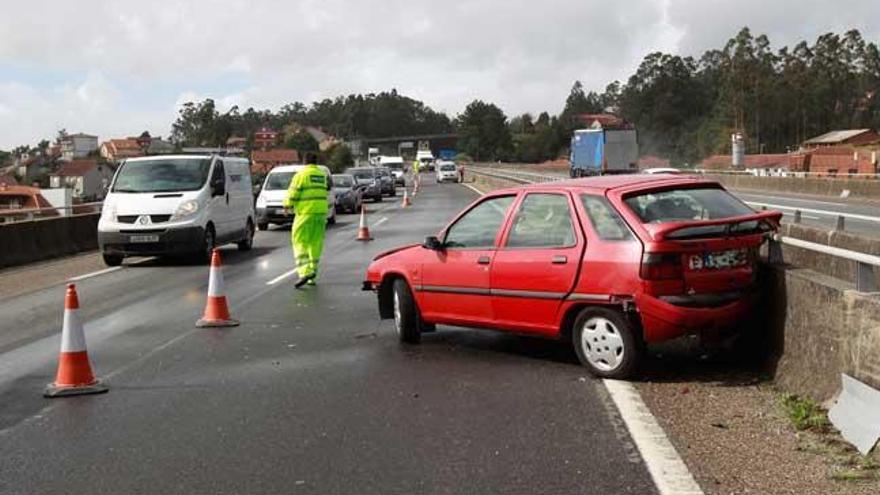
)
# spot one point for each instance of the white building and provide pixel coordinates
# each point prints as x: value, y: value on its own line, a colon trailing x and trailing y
x: 75, y: 146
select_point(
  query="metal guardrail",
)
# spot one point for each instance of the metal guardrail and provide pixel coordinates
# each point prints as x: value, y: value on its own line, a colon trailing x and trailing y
x: 8, y: 216
x: 865, y: 281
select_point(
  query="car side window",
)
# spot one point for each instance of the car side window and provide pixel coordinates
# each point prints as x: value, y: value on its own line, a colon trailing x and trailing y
x: 218, y: 176
x: 478, y: 228
x: 605, y: 219
x: 543, y: 221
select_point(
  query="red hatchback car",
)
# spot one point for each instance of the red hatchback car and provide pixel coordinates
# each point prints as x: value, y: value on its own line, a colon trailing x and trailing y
x: 609, y: 262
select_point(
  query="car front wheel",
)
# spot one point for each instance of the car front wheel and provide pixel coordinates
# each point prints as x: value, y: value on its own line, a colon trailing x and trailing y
x: 406, y: 318
x: 112, y: 259
x: 606, y: 343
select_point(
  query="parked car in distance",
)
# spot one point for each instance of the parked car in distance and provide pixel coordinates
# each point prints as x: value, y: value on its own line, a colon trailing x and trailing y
x: 270, y: 201
x: 368, y: 179
x: 395, y: 164
x: 349, y: 195
x: 447, y: 172
x: 607, y: 263
x: 386, y: 181
x: 177, y: 204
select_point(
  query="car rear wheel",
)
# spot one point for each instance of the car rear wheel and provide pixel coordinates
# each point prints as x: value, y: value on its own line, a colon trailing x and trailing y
x: 112, y: 259
x: 263, y: 226
x: 606, y: 343
x: 406, y: 318
x: 332, y: 220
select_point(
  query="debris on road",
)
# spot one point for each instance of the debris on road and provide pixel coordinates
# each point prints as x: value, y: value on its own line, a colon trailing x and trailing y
x: 857, y: 414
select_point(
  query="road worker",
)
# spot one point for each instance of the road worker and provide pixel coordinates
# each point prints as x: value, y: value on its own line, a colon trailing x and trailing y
x: 307, y: 197
x: 416, y: 168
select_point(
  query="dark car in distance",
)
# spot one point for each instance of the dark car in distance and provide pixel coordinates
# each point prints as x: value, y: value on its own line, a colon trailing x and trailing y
x: 349, y: 195
x: 368, y: 179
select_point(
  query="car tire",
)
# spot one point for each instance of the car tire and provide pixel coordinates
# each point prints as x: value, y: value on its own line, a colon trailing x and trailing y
x: 378, y: 198
x: 393, y: 193
x: 606, y: 343
x: 208, y: 244
x: 263, y: 226
x: 332, y: 220
x: 248, y: 242
x: 112, y: 259
x: 406, y: 314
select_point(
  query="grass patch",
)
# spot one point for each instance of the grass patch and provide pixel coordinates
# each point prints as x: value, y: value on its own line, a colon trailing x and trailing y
x: 804, y: 413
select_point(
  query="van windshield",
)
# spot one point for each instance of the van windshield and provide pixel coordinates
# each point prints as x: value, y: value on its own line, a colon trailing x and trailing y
x: 278, y: 181
x: 162, y: 175
x: 393, y: 165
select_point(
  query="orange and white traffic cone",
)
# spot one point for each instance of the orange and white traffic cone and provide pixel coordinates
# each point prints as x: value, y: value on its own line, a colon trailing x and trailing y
x: 216, y: 309
x: 74, y: 375
x: 363, y: 230
x: 406, y: 202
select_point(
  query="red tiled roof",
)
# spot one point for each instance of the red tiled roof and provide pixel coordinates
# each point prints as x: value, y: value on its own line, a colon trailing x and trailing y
x: 264, y: 160
x: 76, y: 168
x: 652, y: 161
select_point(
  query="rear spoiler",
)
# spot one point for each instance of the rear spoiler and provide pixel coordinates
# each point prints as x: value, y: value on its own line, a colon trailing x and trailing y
x: 662, y: 231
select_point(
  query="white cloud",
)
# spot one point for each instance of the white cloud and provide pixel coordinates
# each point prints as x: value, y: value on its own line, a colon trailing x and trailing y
x: 130, y: 64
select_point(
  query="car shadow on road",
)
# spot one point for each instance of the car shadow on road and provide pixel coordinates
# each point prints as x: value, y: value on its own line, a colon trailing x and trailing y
x: 503, y: 343
x: 230, y: 256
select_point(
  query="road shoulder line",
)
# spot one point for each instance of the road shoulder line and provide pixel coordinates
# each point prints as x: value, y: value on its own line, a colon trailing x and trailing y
x: 667, y: 469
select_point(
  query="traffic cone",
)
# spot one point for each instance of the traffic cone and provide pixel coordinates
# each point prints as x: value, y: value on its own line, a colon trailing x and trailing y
x: 406, y: 201
x: 363, y: 230
x: 74, y: 375
x: 216, y: 309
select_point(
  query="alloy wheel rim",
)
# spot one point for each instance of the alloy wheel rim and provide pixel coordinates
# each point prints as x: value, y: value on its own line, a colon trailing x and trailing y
x: 602, y: 344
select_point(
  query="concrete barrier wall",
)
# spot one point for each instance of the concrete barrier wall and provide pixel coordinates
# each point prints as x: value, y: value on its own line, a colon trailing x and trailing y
x: 820, y: 186
x: 47, y: 238
x: 833, y: 266
x: 823, y: 329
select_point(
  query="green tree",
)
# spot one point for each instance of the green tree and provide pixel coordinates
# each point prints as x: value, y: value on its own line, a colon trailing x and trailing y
x: 339, y: 158
x: 301, y: 141
x: 483, y: 132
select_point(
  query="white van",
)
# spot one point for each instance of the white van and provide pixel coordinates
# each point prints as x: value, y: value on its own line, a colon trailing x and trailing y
x: 177, y: 204
x: 395, y: 164
x: 270, y: 202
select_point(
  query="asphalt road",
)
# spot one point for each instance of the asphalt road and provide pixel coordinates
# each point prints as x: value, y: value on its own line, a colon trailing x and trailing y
x: 859, y: 218
x: 311, y: 394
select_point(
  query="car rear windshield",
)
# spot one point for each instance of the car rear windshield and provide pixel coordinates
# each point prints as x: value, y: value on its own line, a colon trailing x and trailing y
x: 694, y: 204
x: 162, y: 175
x: 278, y: 180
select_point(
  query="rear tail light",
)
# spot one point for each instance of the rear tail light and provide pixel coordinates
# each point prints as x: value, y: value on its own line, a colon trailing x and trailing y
x: 661, y: 266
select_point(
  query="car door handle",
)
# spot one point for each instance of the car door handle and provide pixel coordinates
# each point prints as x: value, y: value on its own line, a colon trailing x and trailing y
x: 484, y: 260
x: 560, y: 260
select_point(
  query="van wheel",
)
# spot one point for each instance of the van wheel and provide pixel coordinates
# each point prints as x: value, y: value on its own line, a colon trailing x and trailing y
x: 606, y: 343
x: 208, y: 245
x: 406, y: 318
x: 112, y: 259
x: 263, y: 226
x: 248, y: 241
x: 332, y: 220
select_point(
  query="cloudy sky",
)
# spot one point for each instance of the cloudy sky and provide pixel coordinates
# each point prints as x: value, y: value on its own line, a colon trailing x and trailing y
x: 117, y: 67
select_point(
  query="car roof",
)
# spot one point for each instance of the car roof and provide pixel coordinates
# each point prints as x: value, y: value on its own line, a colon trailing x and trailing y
x: 605, y: 183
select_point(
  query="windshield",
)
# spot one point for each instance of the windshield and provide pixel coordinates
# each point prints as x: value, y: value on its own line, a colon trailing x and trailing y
x: 447, y: 168
x: 278, y: 180
x: 162, y: 175
x: 363, y: 175
x: 343, y: 181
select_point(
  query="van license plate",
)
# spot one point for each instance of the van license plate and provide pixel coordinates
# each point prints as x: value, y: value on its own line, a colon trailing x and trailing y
x: 143, y: 238
x: 718, y: 260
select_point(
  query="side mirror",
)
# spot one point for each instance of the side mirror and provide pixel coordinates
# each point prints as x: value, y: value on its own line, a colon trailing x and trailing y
x: 433, y: 244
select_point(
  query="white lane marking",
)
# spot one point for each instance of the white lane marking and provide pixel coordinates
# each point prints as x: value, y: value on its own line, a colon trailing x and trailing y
x: 380, y: 221
x: 107, y: 270
x: 474, y: 189
x: 787, y: 198
x: 669, y: 472
x: 818, y: 212
x: 281, y: 277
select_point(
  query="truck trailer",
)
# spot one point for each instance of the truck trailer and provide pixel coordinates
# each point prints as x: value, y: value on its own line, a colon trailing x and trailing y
x: 604, y: 151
